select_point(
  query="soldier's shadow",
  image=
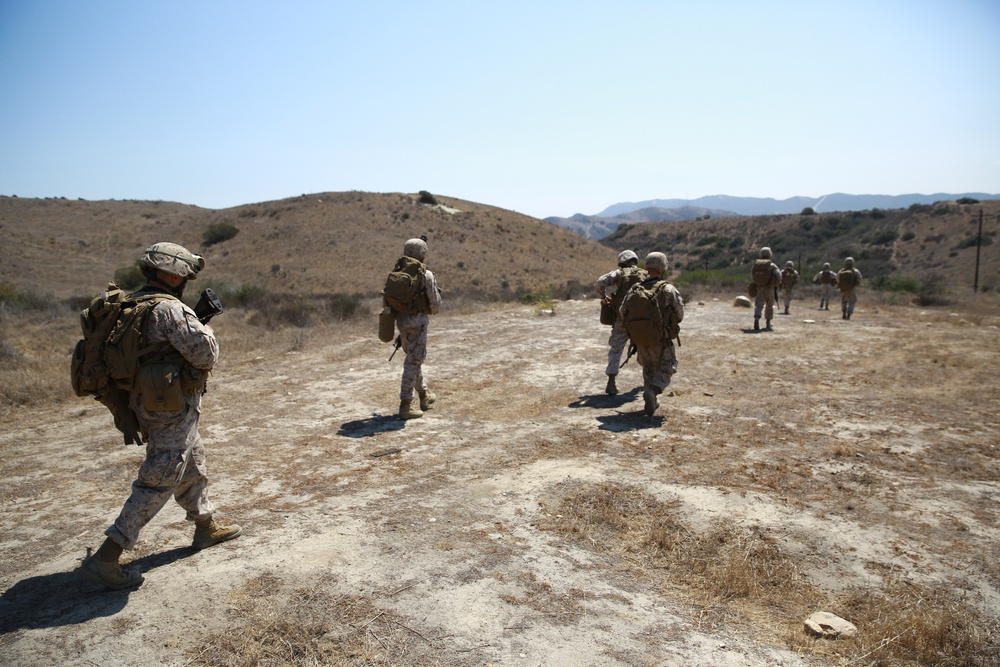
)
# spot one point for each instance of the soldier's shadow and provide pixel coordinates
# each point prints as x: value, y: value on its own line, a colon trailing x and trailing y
x: 621, y: 422
x: 365, y: 428
x: 59, y: 599
x: 604, y: 401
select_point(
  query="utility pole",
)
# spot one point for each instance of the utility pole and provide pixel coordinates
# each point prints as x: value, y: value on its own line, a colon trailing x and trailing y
x: 979, y: 245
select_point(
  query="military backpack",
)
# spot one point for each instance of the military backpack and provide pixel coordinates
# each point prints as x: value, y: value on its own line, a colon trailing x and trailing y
x: 405, y: 288
x: 846, y: 278
x: 761, y: 273
x: 641, y: 314
x: 630, y: 276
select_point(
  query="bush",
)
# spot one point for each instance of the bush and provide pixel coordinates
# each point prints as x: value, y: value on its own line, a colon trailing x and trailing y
x: 899, y: 284
x: 808, y: 210
x: 884, y: 236
x: 427, y: 198
x: 219, y: 232
x: 968, y: 200
x: 129, y: 278
x: 908, y: 236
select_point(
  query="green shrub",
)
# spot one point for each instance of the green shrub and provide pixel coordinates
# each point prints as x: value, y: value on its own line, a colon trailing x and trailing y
x: 899, y: 284
x: 908, y: 236
x: 968, y: 200
x: 808, y: 210
x: 219, y: 232
x: 884, y: 236
x: 129, y: 277
x: 8, y: 293
x: 427, y: 198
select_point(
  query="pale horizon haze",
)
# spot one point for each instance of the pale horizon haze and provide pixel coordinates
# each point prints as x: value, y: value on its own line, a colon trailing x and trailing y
x: 545, y: 108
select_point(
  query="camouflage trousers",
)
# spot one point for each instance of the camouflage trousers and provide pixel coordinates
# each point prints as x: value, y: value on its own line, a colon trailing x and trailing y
x: 616, y: 345
x: 786, y: 295
x: 824, y: 293
x: 174, y: 467
x: 659, y: 363
x: 764, y: 301
x: 848, y: 298
x: 413, y: 334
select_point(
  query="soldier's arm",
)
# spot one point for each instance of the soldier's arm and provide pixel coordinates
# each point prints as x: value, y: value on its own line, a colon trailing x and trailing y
x: 433, y: 293
x: 178, y: 324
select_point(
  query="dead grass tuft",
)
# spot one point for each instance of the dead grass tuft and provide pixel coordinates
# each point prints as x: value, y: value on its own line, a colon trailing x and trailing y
x: 309, y: 626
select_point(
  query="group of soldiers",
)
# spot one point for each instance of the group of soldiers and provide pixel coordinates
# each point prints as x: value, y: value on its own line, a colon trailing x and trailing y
x: 174, y: 464
x: 765, y: 291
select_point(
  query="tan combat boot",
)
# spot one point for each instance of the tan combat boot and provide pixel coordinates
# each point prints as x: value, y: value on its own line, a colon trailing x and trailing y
x: 426, y: 398
x: 612, y: 388
x: 108, y: 572
x: 407, y: 411
x: 208, y: 533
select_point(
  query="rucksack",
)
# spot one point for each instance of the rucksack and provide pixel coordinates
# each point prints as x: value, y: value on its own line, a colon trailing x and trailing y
x: 404, y: 290
x: 113, y: 346
x: 827, y: 277
x: 789, y: 277
x: 641, y: 314
x: 761, y: 272
x: 846, y: 278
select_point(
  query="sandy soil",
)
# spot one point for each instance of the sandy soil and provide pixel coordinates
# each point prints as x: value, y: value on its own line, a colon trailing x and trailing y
x: 862, y: 448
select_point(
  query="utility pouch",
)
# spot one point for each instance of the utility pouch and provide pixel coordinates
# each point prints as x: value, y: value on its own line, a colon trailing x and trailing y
x: 752, y: 290
x: 608, y: 314
x: 160, y: 386
x: 193, y: 380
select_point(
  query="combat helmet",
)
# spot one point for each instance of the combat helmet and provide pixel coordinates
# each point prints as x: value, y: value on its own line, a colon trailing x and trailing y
x: 656, y: 261
x: 849, y: 261
x: 415, y: 248
x: 171, y: 258
x: 626, y: 256
x: 789, y: 264
x: 765, y: 253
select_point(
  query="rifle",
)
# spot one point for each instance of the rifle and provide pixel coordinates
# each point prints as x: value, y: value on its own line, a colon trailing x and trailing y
x: 398, y: 344
x: 208, y: 306
x: 631, y: 350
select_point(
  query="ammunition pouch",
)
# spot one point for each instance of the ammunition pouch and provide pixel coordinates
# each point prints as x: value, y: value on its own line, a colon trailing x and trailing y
x: 160, y: 386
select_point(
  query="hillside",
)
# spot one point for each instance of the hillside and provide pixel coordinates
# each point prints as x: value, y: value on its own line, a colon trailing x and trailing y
x: 922, y: 242
x: 329, y: 243
x: 596, y: 227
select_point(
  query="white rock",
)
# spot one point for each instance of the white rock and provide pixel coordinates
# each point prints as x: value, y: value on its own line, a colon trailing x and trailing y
x: 742, y: 302
x: 827, y: 625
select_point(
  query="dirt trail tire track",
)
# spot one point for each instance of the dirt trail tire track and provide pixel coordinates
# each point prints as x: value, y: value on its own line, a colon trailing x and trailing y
x: 444, y: 533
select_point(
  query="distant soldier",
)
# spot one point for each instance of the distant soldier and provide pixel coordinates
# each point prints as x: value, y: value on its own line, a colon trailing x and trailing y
x: 652, y: 311
x: 618, y: 282
x: 412, y: 309
x: 827, y: 280
x: 766, y: 277
x: 174, y: 466
x: 789, y: 278
x: 848, y: 280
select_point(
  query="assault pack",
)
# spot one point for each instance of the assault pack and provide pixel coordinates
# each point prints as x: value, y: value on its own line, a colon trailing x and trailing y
x: 789, y: 277
x: 761, y: 273
x: 827, y: 277
x: 846, y: 278
x: 405, y: 292
x: 642, y: 317
x: 106, y: 360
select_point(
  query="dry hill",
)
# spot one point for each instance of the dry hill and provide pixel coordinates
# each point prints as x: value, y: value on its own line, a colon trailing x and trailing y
x: 329, y: 243
x: 923, y: 242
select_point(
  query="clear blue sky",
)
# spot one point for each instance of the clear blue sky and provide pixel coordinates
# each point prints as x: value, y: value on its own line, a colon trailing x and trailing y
x: 546, y: 108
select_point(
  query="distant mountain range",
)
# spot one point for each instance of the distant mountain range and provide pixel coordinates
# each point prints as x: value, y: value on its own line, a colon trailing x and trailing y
x: 716, y: 206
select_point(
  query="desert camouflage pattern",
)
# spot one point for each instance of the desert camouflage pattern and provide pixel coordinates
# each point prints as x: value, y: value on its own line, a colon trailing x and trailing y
x: 789, y: 278
x: 413, y: 335
x: 849, y: 294
x: 764, y: 301
x: 659, y: 362
x: 612, y: 280
x: 175, y: 456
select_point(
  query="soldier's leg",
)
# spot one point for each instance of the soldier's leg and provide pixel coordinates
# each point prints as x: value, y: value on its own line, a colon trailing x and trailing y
x: 414, y: 339
x: 665, y: 369
x: 758, y: 307
x: 616, y: 344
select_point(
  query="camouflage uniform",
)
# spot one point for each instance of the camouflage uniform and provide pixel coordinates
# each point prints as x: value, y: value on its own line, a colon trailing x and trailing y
x: 175, y: 455
x: 659, y: 362
x: 848, y: 293
x: 619, y: 337
x: 827, y: 280
x: 789, y: 278
x: 764, y: 301
x: 413, y: 335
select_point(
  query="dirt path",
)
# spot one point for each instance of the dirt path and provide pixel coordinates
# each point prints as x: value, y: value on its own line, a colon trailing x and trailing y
x: 863, y: 450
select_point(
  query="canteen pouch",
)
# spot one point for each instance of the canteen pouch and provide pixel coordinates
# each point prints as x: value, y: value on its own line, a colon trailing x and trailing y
x: 386, y: 325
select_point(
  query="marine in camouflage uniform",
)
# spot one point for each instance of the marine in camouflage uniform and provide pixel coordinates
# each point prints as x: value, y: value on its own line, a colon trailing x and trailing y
x: 413, y: 336
x: 659, y: 362
x: 764, y: 301
x: 615, y: 281
x: 848, y: 292
x: 789, y: 278
x: 827, y: 280
x: 175, y: 455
